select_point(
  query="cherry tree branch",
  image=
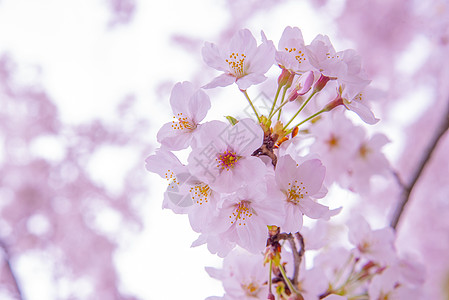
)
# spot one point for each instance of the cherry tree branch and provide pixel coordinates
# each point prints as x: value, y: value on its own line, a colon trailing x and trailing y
x: 9, y: 269
x: 407, y: 189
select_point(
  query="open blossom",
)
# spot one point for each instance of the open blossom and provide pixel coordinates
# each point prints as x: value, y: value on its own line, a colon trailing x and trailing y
x: 244, y: 276
x: 292, y: 54
x: 387, y: 286
x: 336, y: 141
x: 189, y: 107
x: 368, y: 160
x: 242, y: 61
x: 167, y: 165
x: 204, y: 205
x: 244, y: 215
x: 185, y: 193
x: 222, y: 157
x: 299, y: 185
x: 356, y: 100
x: 322, y: 55
x: 375, y: 245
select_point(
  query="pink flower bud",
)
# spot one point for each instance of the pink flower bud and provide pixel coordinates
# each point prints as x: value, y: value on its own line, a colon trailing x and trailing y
x: 334, y: 103
x: 285, y: 78
x: 302, y: 86
x: 321, y: 83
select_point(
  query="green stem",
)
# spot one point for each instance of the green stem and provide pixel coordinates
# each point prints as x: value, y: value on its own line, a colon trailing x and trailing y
x: 270, y: 277
x: 283, y: 97
x: 305, y: 120
x: 277, y: 109
x: 275, y: 99
x: 287, y: 280
x: 300, y: 109
x: 251, y: 103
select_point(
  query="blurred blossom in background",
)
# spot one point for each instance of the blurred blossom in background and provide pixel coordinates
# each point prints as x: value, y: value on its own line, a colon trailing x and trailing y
x: 84, y: 87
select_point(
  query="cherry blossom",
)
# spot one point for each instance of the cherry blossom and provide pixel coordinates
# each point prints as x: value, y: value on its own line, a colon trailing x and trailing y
x: 292, y: 54
x: 242, y: 60
x: 223, y: 158
x: 243, y: 276
x: 244, y: 216
x: 299, y: 185
x: 189, y: 107
x: 376, y: 245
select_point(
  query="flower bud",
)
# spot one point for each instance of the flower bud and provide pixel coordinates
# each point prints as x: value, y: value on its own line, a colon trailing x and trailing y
x: 286, y: 78
x: 302, y: 86
x: 334, y: 103
x: 321, y: 83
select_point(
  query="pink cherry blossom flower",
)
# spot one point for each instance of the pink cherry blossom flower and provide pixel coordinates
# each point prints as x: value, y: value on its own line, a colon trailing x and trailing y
x: 292, y: 54
x: 244, y: 276
x: 386, y: 286
x: 189, y: 106
x: 242, y: 61
x: 358, y: 103
x: 368, y: 160
x: 243, y: 217
x: 185, y: 193
x: 336, y: 141
x: 322, y: 55
x: 299, y: 185
x: 222, y: 157
x: 204, y: 205
x: 167, y: 165
x: 375, y: 245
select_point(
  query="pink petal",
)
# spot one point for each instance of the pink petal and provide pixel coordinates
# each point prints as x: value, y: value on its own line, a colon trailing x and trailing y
x: 222, y: 80
x: 199, y: 105
x: 180, y: 93
x: 311, y: 173
x: 212, y: 57
x: 251, y: 79
x: 174, y: 139
x: 293, y: 219
x: 313, y: 209
x: 243, y: 42
x: 363, y: 111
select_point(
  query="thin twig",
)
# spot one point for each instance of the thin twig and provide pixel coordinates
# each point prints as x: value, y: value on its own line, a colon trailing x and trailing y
x: 301, y: 244
x: 296, y: 261
x: 407, y: 190
x: 297, y: 255
x: 9, y: 268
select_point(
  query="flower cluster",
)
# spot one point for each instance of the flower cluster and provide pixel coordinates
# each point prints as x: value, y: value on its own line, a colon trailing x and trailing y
x: 249, y: 182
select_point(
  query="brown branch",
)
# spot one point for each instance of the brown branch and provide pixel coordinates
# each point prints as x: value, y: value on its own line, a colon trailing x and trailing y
x: 10, y: 269
x: 407, y: 189
x: 297, y: 255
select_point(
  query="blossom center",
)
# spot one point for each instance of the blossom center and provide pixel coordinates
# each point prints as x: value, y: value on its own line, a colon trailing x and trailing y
x: 299, y: 54
x: 173, y: 182
x: 200, y: 193
x: 332, y: 141
x: 236, y: 62
x: 241, y: 213
x: 182, y: 123
x: 251, y: 289
x: 364, y: 151
x: 227, y: 160
x: 296, y: 192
